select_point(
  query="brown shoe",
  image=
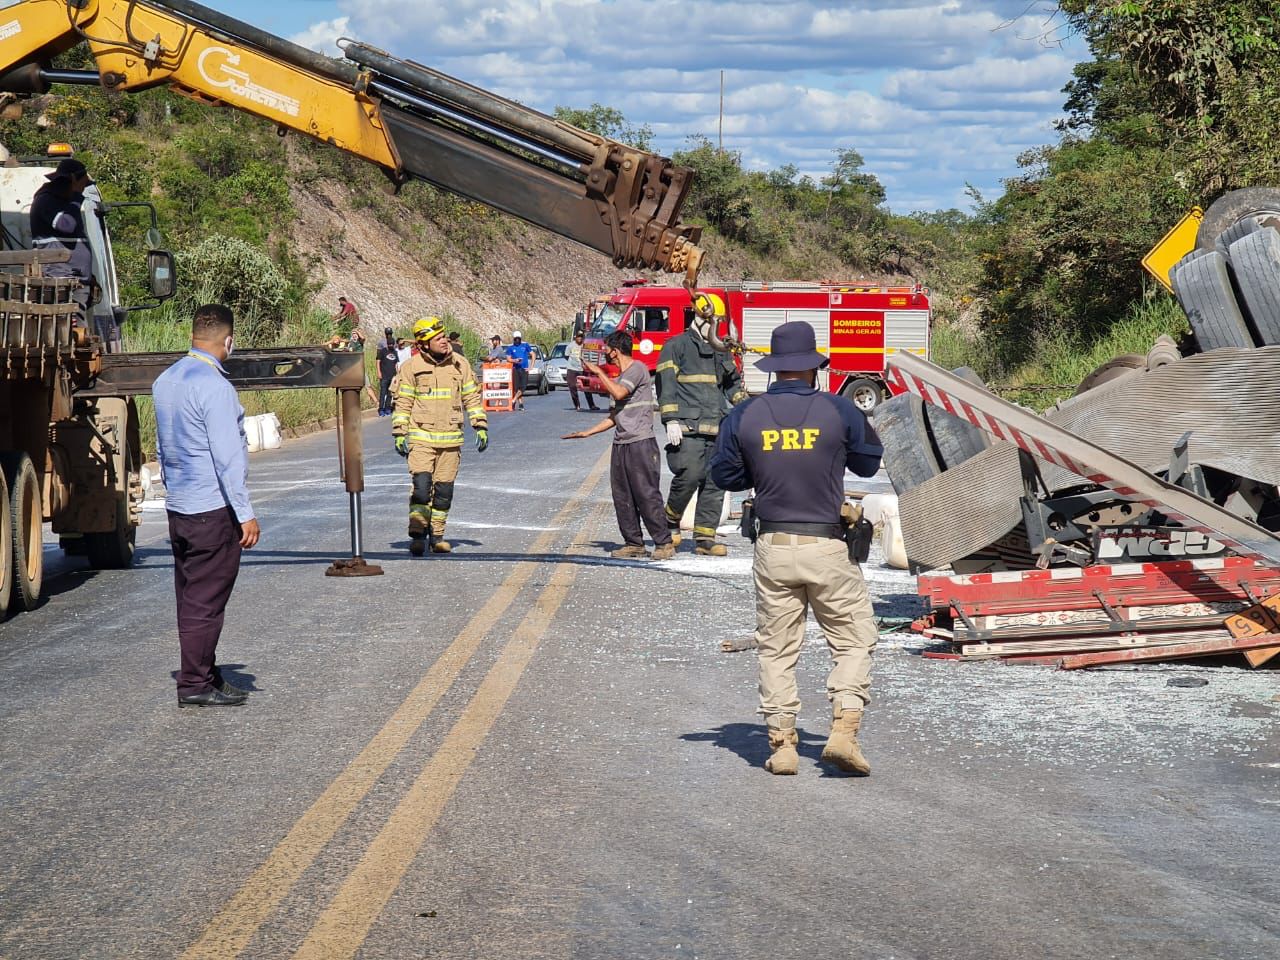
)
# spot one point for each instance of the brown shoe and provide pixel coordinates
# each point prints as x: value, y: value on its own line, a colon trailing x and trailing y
x: 676, y: 538
x: 842, y: 747
x: 785, y: 760
x: 664, y: 551
x: 630, y: 553
x: 441, y: 545
x: 709, y: 548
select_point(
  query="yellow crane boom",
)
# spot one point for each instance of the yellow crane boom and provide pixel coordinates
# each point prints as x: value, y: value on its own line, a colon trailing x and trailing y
x: 410, y: 120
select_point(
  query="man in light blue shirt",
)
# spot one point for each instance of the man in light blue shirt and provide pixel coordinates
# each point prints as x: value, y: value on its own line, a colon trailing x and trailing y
x: 204, y: 460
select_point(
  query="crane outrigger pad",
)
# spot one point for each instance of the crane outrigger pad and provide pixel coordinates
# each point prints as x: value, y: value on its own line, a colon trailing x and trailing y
x: 1054, y: 444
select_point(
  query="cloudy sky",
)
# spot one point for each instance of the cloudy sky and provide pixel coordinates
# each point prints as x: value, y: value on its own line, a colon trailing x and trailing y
x: 933, y: 93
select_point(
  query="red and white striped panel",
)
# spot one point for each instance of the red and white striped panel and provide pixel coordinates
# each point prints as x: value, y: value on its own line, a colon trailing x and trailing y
x: 988, y: 412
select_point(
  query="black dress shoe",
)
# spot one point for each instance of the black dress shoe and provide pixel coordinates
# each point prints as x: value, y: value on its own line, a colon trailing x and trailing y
x: 230, y: 689
x: 213, y: 697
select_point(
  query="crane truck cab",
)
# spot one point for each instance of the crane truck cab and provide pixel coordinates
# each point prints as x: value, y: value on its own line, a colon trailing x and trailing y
x: 19, y: 181
x: 69, y: 460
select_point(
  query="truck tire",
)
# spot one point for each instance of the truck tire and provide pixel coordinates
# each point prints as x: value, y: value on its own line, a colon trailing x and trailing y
x: 955, y: 440
x: 6, y: 551
x: 1261, y: 204
x: 1233, y: 233
x: 909, y: 458
x: 1256, y: 260
x: 1204, y: 289
x: 863, y: 393
x: 25, y: 533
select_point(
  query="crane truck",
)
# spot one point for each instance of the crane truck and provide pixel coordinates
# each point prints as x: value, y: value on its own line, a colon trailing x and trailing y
x: 69, y: 444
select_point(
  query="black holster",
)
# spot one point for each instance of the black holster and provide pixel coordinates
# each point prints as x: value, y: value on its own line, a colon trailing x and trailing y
x: 747, y: 525
x: 858, y: 531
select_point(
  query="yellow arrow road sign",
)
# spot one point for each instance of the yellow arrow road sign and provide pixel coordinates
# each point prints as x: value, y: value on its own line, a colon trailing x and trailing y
x: 1175, y: 245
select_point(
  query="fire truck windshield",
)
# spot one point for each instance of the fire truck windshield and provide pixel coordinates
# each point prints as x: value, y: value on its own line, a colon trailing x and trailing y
x: 607, y: 319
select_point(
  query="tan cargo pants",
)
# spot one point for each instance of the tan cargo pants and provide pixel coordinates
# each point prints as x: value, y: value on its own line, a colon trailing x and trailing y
x: 793, y: 573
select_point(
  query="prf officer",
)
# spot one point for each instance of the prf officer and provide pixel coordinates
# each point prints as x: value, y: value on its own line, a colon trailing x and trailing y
x: 793, y: 444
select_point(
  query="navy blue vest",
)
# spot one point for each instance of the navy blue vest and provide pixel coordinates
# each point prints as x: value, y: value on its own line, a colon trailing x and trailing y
x: 795, y: 444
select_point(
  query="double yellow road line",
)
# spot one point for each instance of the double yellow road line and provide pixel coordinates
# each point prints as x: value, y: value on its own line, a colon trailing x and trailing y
x: 344, y: 925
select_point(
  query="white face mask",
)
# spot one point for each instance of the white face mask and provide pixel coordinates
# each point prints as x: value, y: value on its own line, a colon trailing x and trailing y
x: 230, y: 344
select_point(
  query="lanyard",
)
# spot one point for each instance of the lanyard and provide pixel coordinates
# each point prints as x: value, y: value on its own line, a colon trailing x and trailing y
x: 202, y: 359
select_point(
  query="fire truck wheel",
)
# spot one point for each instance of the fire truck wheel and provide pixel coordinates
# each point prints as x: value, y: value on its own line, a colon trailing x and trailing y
x: 6, y: 550
x: 26, y: 515
x: 863, y: 393
x: 909, y: 457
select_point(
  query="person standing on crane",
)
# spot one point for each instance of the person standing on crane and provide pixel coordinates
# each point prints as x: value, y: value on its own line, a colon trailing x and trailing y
x: 57, y: 223
x: 436, y: 386
x: 697, y: 385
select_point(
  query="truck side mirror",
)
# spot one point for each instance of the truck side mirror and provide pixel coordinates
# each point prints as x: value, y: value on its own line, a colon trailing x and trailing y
x: 160, y: 274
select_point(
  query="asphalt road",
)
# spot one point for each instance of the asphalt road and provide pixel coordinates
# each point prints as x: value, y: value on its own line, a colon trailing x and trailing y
x: 527, y: 750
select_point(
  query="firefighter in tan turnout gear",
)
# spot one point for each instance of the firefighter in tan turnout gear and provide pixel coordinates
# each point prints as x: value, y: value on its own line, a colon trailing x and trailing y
x: 436, y: 386
x: 697, y: 385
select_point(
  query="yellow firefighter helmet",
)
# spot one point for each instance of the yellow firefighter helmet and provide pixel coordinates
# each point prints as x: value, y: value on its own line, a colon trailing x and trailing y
x: 428, y: 328
x: 708, y: 305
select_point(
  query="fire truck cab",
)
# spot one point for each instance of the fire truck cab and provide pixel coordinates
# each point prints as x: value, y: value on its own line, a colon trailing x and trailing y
x: 858, y: 326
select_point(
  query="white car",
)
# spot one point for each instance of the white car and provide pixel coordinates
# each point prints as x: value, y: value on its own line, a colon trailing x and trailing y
x: 557, y: 366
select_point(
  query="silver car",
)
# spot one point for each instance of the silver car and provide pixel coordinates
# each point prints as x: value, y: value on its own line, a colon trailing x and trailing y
x: 557, y: 365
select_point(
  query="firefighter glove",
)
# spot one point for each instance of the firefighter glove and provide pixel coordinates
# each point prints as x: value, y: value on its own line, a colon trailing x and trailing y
x: 482, y: 439
x: 402, y: 446
x: 674, y: 433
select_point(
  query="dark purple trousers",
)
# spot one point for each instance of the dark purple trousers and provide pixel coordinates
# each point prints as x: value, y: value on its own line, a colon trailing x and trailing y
x: 206, y: 561
x: 634, y: 473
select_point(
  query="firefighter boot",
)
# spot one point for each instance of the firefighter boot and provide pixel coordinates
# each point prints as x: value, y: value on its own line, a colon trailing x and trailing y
x: 842, y: 748
x: 440, y: 545
x: 417, y: 536
x: 785, y: 760
x: 709, y: 548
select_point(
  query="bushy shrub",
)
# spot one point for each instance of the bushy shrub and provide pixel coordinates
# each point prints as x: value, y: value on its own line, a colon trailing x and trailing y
x: 243, y: 277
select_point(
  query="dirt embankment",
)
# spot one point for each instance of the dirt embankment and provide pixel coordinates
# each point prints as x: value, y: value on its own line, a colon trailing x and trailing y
x: 525, y: 277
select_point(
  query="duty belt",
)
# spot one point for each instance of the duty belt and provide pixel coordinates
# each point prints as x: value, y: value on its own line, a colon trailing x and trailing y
x: 832, y: 531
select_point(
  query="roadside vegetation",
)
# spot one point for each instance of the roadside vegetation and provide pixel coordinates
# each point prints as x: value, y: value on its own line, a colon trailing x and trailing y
x: 1033, y: 288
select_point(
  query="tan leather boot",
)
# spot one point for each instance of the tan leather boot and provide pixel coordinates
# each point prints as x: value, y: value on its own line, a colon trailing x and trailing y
x: 783, y: 738
x: 842, y: 746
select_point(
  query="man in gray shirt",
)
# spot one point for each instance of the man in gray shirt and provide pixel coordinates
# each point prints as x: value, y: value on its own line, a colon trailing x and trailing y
x: 634, y: 466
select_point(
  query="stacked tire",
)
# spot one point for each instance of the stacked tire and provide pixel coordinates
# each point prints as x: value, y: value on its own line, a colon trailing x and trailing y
x: 1229, y: 285
x: 921, y: 441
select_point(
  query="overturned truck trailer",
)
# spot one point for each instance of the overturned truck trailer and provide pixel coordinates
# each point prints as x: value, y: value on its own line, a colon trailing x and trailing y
x: 1160, y: 471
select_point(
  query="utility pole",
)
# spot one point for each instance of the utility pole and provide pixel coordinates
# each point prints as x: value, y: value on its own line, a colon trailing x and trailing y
x: 722, y: 111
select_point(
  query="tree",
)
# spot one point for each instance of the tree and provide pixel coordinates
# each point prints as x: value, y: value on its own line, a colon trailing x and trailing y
x: 607, y: 122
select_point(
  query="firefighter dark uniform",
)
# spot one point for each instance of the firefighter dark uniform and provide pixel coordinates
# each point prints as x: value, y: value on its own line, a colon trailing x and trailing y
x: 793, y: 445
x: 435, y: 388
x: 696, y: 387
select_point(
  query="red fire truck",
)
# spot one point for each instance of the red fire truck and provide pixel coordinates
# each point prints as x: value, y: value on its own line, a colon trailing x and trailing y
x: 858, y: 326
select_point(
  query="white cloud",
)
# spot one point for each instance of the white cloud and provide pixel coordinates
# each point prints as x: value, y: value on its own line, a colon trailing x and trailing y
x: 933, y: 93
x: 321, y: 37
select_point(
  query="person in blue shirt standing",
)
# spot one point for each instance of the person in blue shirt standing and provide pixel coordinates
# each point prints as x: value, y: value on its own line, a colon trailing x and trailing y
x: 204, y: 460
x: 793, y: 445
x: 520, y: 354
